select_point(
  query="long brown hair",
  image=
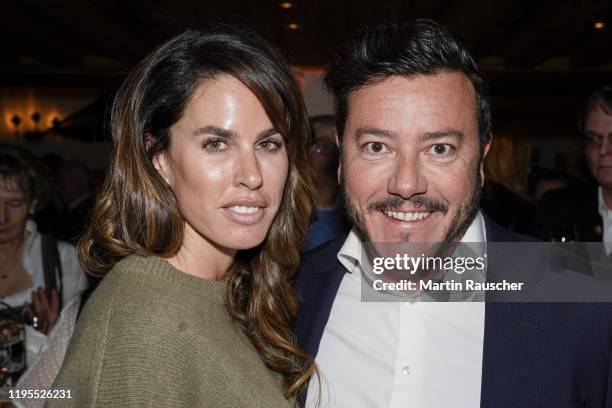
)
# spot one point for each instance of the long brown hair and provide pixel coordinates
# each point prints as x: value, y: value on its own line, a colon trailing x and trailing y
x: 137, y: 213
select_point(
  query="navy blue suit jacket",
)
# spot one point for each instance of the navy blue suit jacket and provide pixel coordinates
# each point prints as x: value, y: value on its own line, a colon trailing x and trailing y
x: 543, y: 355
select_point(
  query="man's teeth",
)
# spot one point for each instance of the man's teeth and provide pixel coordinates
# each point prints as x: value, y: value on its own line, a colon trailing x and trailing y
x: 407, y: 216
x: 241, y: 209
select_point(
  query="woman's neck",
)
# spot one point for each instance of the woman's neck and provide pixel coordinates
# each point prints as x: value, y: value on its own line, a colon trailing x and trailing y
x: 199, y: 257
x: 11, y: 247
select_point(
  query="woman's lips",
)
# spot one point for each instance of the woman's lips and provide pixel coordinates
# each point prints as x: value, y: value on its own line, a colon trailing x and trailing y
x: 244, y: 214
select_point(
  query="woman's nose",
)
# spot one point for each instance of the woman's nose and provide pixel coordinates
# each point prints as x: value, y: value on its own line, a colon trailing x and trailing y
x: 248, y: 172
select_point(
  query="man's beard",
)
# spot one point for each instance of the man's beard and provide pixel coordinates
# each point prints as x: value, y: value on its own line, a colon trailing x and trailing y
x: 459, y: 224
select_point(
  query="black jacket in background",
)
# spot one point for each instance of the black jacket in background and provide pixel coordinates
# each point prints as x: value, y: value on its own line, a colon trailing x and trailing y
x: 571, y: 213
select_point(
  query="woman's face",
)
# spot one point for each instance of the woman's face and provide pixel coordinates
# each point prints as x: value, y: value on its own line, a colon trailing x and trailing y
x: 226, y: 165
x: 15, y: 206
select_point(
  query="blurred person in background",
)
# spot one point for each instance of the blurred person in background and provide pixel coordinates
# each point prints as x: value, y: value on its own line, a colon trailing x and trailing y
x: 67, y: 215
x: 582, y: 211
x: 323, y: 157
x: 504, y: 196
x: 545, y: 180
x: 75, y: 190
x: 38, y: 273
x: 35, y: 268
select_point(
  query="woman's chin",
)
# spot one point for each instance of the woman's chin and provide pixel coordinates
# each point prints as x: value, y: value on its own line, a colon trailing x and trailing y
x: 243, y: 243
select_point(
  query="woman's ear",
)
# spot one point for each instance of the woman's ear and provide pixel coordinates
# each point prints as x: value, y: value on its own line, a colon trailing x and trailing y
x: 160, y: 160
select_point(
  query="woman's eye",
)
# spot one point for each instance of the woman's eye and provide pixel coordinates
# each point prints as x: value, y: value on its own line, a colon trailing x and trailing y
x: 375, y: 148
x: 269, y: 145
x: 441, y: 149
x: 215, y: 145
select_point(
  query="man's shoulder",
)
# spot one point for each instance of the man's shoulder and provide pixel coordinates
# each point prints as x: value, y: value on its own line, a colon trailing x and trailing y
x: 497, y: 233
x: 319, y: 267
x: 326, y: 250
x: 320, y: 259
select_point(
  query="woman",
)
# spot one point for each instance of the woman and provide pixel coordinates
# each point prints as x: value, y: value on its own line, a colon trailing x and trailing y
x: 26, y: 255
x: 197, y: 230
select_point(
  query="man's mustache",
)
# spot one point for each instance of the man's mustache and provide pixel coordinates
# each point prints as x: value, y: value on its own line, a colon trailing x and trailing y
x: 395, y: 203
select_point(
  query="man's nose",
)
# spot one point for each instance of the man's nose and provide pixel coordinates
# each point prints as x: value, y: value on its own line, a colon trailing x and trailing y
x: 408, y: 178
x: 248, y: 172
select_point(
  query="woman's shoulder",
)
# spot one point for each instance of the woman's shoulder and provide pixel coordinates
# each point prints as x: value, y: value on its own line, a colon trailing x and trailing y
x: 148, y: 288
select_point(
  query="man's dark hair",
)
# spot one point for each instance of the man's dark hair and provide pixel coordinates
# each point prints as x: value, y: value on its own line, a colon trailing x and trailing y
x: 601, y: 97
x: 422, y: 47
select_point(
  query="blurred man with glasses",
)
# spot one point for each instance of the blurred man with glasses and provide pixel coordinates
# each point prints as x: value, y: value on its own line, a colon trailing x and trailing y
x: 323, y: 157
x: 583, y: 211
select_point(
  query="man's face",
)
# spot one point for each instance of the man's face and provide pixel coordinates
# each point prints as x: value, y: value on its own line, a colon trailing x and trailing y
x: 323, y: 153
x: 598, y: 150
x: 411, y: 168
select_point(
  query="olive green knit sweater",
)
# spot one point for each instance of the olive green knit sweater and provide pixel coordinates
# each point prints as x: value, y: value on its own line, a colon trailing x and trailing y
x: 151, y: 335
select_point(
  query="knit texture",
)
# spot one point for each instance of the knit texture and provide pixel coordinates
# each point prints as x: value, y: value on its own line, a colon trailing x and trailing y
x: 151, y: 335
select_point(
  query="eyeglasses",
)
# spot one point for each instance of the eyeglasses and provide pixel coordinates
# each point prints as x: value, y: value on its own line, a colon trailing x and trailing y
x: 595, y: 140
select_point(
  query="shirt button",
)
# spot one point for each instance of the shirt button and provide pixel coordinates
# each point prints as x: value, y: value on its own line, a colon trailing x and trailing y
x: 407, y: 370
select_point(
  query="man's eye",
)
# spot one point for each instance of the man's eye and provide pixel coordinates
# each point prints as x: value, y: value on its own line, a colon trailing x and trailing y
x: 375, y: 148
x: 441, y: 149
x: 16, y: 203
x: 593, y: 139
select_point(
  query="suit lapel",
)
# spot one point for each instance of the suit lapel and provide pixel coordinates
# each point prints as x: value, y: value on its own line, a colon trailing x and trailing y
x: 317, y: 285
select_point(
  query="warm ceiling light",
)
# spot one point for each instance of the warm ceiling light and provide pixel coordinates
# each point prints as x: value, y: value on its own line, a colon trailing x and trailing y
x: 599, y: 25
x: 293, y: 26
x: 286, y: 4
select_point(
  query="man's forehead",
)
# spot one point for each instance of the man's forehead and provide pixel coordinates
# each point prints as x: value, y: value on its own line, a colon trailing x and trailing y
x: 599, y: 119
x: 447, y: 97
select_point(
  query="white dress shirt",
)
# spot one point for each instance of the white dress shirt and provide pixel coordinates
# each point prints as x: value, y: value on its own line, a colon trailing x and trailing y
x: 606, y: 218
x: 74, y: 279
x: 398, y: 354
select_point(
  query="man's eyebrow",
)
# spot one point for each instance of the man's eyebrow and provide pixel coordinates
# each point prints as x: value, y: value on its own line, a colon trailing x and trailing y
x: 230, y: 134
x: 593, y: 133
x: 374, y: 132
x: 432, y: 136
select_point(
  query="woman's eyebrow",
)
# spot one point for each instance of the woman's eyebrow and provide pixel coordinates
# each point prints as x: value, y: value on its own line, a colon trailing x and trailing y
x: 230, y: 134
x: 214, y: 130
x: 266, y: 133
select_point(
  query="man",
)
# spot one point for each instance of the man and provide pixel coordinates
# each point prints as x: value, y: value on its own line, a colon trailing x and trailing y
x: 583, y: 211
x: 322, y: 156
x: 413, y: 125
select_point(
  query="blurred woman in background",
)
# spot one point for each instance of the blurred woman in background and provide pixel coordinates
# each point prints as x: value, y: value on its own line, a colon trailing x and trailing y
x: 505, y: 198
x: 37, y: 272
